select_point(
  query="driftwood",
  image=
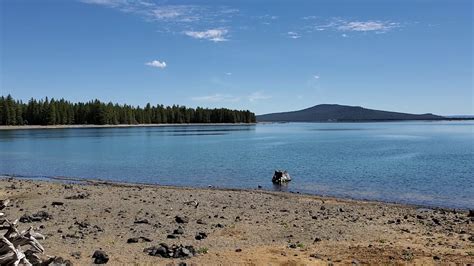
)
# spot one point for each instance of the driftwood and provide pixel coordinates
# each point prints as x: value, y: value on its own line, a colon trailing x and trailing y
x: 18, y: 248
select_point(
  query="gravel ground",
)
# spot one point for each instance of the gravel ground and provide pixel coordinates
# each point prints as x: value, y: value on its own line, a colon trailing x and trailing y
x: 228, y: 227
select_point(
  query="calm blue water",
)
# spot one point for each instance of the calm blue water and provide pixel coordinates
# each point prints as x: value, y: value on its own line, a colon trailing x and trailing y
x: 427, y: 163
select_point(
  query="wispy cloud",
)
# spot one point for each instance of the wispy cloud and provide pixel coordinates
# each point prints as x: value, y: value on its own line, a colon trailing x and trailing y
x: 156, y: 63
x: 344, y: 25
x: 379, y: 26
x: 216, y: 98
x: 258, y: 95
x: 293, y: 35
x: 215, y: 35
x: 316, y: 76
x: 177, y: 18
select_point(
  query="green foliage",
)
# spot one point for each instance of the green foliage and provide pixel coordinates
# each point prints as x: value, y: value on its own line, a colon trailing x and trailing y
x: 62, y: 112
x: 203, y: 250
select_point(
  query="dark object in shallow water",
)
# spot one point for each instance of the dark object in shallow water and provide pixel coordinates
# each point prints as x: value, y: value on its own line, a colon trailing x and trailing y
x: 280, y: 177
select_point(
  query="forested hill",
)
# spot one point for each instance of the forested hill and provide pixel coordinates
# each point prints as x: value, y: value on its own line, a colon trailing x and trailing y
x: 61, y: 112
x: 335, y: 112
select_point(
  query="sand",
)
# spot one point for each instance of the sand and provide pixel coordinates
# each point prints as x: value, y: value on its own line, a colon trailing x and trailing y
x: 243, y: 227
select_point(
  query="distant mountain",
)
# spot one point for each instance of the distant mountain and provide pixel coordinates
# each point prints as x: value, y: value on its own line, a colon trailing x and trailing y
x: 341, y: 113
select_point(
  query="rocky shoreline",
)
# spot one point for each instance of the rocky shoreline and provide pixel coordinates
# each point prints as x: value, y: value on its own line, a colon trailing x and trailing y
x: 116, y: 223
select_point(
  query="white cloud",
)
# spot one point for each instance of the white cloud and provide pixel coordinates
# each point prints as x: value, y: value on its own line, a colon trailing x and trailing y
x: 258, y: 95
x: 293, y: 35
x: 156, y: 63
x: 339, y: 24
x: 379, y: 26
x: 215, y: 35
x: 229, y: 73
x: 175, y: 18
x: 216, y: 98
x: 110, y: 3
x: 316, y: 77
x: 344, y: 35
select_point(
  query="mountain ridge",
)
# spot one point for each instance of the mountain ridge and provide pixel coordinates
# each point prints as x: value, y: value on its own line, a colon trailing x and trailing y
x: 342, y: 113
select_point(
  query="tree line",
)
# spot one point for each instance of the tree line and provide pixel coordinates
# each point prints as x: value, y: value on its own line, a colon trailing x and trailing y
x: 62, y: 112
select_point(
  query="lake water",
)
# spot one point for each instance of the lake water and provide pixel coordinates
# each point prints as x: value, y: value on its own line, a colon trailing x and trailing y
x: 427, y: 163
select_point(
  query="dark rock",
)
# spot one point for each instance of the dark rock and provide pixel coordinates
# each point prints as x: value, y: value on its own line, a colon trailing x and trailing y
x: 78, y: 196
x: 292, y: 245
x: 280, y: 177
x: 200, y: 221
x: 37, y: 217
x: 420, y: 217
x: 322, y: 208
x: 57, y: 203
x: 471, y: 213
x: 316, y: 256
x: 100, y: 257
x: 141, y: 221
x: 138, y: 239
x: 178, y: 231
x: 200, y: 236
x: 174, y: 251
x: 317, y: 239
x: 181, y: 219
x: 171, y: 236
x: 238, y: 250
x: 436, y: 221
x: 471, y: 238
x: 436, y: 257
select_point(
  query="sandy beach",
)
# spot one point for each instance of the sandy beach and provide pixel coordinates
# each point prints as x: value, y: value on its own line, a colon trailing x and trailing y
x: 232, y: 227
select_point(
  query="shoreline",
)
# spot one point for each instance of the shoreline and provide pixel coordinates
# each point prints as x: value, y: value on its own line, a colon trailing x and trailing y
x: 93, y: 181
x: 234, y: 226
x: 27, y: 127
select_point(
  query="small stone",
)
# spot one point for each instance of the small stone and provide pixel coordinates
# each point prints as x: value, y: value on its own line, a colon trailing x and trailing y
x: 436, y: 257
x: 57, y: 203
x: 141, y: 221
x: 200, y: 236
x: 100, y: 257
x: 76, y: 254
x: 181, y: 220
x: 178, y: 231
x: 238, y: 250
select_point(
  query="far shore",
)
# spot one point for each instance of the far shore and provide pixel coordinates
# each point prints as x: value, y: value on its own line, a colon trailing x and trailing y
x: 119, y: 125
x: 232, y: 227
x: 26, y: 127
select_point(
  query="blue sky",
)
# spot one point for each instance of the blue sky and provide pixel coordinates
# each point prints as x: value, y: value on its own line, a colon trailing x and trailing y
x: 266, y: 56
